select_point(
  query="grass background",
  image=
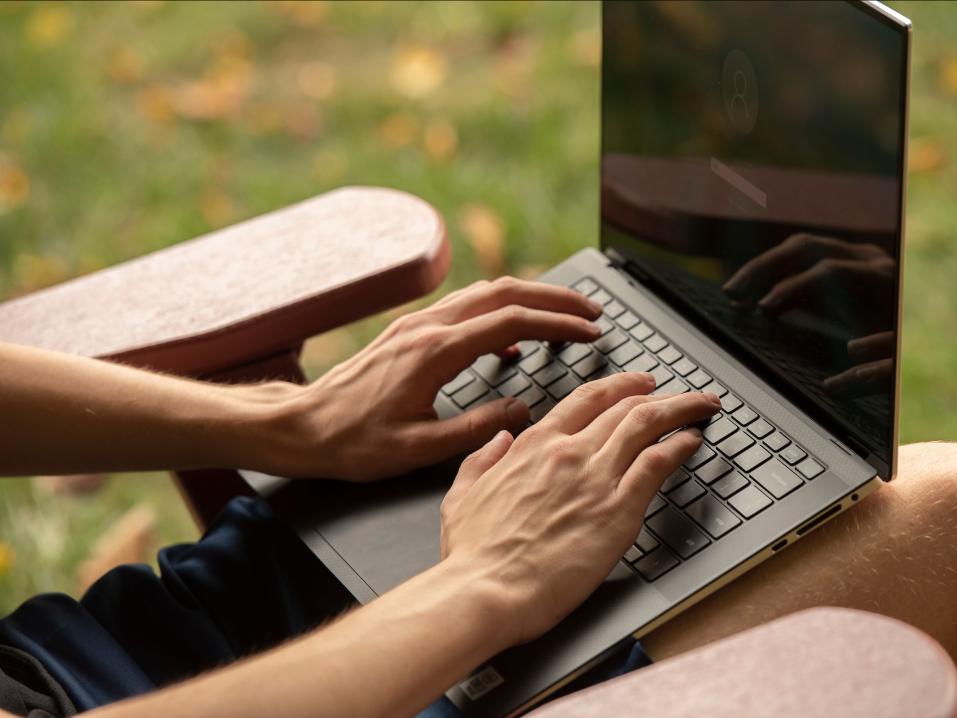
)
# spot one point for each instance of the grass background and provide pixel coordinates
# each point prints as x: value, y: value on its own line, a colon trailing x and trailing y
x: 129, y: 127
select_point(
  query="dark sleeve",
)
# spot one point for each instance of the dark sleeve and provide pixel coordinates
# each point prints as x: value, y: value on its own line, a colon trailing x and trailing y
x: 27, y: 689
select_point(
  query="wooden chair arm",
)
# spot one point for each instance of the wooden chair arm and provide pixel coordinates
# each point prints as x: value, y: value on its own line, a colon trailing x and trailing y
x: 819, y: 662
x: 246, y: 292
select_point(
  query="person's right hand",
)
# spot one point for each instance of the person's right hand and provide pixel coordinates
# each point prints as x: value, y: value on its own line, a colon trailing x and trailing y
x: 549, y: 514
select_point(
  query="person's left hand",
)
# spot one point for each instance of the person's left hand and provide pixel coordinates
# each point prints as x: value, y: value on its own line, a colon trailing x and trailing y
x: 372, y: 416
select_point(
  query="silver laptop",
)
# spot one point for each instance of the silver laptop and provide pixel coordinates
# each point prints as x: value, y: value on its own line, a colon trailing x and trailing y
x: 752, y: 183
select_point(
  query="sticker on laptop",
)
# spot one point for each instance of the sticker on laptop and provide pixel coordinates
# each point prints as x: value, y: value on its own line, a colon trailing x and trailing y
x: 477, y: 685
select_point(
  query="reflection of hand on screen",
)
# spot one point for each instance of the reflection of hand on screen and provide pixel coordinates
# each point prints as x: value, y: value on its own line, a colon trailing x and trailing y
x: 806, y: 269
x: 872, y: 372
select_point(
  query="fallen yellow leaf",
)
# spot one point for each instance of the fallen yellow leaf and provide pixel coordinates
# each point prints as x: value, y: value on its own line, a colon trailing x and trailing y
x: 14, y: 184
x: 441, y: 140
x: 317, y: 80
x: 925, y: 154
x: 48, y: 25
x: 398, y: 130
x: 126, y: 65
x: 418, y: 71
x: 216, y: 207
x: 948, y: 75
x: 8, y: 558
x: 586, y: 47
x: 485, y: 232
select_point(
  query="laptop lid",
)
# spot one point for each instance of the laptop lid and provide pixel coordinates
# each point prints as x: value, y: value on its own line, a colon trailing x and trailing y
x: 752, y: 175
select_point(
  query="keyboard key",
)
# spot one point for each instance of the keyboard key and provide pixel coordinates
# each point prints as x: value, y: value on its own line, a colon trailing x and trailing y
x: 641, y: 331
x: 606, y: 370
x: 686, y: 493
x: 684, y: 366
x: 745, y: 415
x: 586, y: 286
x: 809, y: 468
x: 735, y: 444
x: 531, y: 396
x: 494, y: 369
x: 459, y: 382
x: 646, y: 542
x: 777, y: 441
x: 605, y: 324
x: 712, y: 516
x: 528, y: 347
x: 677, y: 532
x: 730, y: 485
x: 675, y: 387
x: 470, y: 393
x: 713, y: 470
x: 628, y: 320
x: 717, y: 389
x: 676, y: 479
x: 625, y: 353
x: 793, y: 454
x: 574, y: 353
x: 655, y: 343
x: 485, y: 399
x: 655, y: 564
x: 669, y: 355
x: 753, y: 457
x: 589, y: 365
x: 601, y: 296
x: 702, y: 455
x: 550, y: 373
x: 760, y: 428
x: 699, y: 379
x: 540, y: 409
x: 563, y: 387
x: 614, y: 309
x: 776, y: 478
x: 514, y: 386
x: 729, y: 402
x: 611, y: 341
x: 662, y: 376
x: 632, y: 554
x: 535, y: 362
x: 655, y: 505
x: 749, y: 502
x: 646, y: 362
x: 719, y: 430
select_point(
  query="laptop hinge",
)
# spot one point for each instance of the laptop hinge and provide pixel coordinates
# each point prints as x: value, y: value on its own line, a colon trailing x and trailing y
x: 618, y: 261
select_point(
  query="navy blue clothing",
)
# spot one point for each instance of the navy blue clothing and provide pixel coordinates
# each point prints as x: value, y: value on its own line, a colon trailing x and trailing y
x: 247, y: 585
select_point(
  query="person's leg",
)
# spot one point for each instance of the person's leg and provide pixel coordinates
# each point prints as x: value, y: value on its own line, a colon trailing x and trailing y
x: 894, y: 554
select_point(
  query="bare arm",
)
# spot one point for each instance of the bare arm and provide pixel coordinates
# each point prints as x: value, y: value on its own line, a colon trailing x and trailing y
x: 568, y: 495
x: 368, y: 418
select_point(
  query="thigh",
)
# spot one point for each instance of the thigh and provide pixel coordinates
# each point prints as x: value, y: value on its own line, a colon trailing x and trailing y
x: 895, y: 554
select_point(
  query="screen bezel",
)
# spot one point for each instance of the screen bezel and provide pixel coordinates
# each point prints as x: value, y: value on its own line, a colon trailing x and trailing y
x: 894, y: 20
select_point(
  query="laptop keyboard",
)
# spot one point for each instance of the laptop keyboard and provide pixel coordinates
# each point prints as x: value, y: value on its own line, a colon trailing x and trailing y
x: 744, y: 465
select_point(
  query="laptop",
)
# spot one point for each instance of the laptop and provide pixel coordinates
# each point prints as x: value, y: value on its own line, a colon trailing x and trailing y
x: 752, y: 184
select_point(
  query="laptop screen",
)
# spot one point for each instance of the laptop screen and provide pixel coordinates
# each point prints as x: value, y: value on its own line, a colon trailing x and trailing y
x: 752, y: 159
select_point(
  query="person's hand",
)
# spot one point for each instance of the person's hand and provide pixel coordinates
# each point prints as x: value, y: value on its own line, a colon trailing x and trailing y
x: 871, y: 373
x: 804, y: 271
x: 548, y: 514
x: 372, y: 416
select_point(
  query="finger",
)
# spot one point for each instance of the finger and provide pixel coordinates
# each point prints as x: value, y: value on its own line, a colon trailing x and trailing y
x: 439, y: 440
x: 872, y: 347
x: 478, y: 462
x: 648, y: 422
x: 488, y: 297
x: 587, y: 402
x: 794, y: 255
x: 509, y: 352
x: 598, y: 431
x: 862, y: 380
x: 653, y: 465
x: 490, y: 332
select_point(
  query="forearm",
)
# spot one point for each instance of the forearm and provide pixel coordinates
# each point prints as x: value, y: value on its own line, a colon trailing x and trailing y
x: 389, y: 658
x: 64, y: 414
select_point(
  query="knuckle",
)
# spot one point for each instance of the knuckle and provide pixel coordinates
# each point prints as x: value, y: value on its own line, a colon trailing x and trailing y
x: 657, y: 460
x: 644, y: 414
x: 514, y: 313
x: 506, y: 283
x: 426, y: 340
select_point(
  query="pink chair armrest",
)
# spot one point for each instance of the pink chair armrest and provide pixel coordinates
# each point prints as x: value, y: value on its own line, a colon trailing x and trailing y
x: 247, y: 291
x: 819, y: 662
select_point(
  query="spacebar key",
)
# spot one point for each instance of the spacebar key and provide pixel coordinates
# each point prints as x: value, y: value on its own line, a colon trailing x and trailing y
x: 676, y: 531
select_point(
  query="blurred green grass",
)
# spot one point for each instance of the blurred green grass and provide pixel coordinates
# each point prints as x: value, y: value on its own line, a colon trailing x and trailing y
x: 126, y: 127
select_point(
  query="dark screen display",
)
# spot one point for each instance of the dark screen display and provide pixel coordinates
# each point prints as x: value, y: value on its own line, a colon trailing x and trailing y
x: 751, y: 174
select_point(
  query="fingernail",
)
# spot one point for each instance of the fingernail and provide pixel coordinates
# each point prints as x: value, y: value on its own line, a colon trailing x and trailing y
x: 500, y: 436
x: 715, y: 399
x: 595, y: 307
x: 594, y: 328
x: 695, y: 432
x: 650, y: 378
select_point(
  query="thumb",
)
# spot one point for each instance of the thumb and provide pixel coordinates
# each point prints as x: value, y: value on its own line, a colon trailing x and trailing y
x: 477, y: 463
x: 475, y: 428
